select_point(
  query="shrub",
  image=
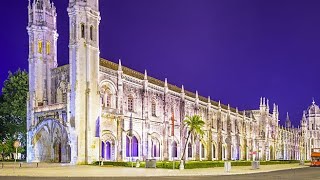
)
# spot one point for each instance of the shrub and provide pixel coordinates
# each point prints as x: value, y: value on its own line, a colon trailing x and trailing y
x: 197, y: 164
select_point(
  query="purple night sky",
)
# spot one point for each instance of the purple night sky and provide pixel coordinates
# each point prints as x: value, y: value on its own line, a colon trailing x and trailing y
x: 233, y: 50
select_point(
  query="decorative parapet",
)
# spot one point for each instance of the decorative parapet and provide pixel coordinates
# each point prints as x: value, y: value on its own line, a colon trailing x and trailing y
x: 62, y: 69
x: 48, y: 108
x: 54, y: 111
x: 138, y: 75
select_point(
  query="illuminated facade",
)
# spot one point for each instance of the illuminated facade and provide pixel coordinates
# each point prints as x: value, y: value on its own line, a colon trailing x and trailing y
x: 95, y: 109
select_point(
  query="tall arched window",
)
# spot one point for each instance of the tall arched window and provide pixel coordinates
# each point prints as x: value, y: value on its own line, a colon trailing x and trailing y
x: 135, y: 147
x: 155, y: 148
x: 202, y: 151
x: 132, y: 147
x: 64, y: 97
x: 174, y: 150
x: 103, y: 150
x: 82, y: 31
x: 108, y: 100
x: 48, y: 48
x: 108, y: 151
x: 213, y: 151
x: 189, y: 150
x: 40, y: 47
x: 128, y: 148
x: 91, y: 33
x: 130, y: 103
x: 153, y: 108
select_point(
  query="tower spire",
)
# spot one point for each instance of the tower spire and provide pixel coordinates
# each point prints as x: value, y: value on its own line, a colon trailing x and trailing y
x: 120, y: 65
x: 288, y: 122
x: 313, y: 102
x: 145, y: 75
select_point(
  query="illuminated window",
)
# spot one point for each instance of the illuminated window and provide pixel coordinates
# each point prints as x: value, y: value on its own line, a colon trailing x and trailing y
x: 153, y: 108
x: 130, y: 103
x: 40, y: 47
x: 91, y: 33
x: 48, y: 48
x: 82, y: 31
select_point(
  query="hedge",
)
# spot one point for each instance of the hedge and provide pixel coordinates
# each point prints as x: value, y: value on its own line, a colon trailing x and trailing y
x: 197, y: 164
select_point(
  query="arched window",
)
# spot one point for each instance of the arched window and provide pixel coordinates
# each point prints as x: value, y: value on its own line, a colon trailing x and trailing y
x: 64, y: 97
x: 130, y: 103
x: 103, y: 150
x: 108, y: 151
x: 48, y: 48
x: 213, y: 151
x: 155, y: 148
x: 135, y: 147
x: 108, y: 100
x: 40, y: 47
x: 223, y: 152
x: 132, y: 147
x: 202, y: 151
x: 189, y: 150
x: 174, y: 150
x: 82, y: 31
x: 91, y: 33
x: 128, y: 148
x: 153, y: 108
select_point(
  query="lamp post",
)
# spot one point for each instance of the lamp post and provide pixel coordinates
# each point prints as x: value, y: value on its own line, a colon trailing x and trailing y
x: 16, y: 145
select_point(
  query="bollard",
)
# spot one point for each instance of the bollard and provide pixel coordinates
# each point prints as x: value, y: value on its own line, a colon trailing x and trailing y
x: 20, y: 165
x: 37, y: 164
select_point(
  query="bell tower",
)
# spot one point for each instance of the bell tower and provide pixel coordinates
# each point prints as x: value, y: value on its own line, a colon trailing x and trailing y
x: 43, y: 36
x: 84, y: 57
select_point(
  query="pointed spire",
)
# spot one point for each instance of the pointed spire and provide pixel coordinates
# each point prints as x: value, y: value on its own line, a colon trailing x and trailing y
x: 288, y: 119
x: 237, y: 111
x: 197, y: 96
x: 182, y: 89
x: 165, y: 82
x: 120, y: 66
x: 267, y: 104
x: 274, y: 108
x: 209, y: 100
x: 304, y: 118
x: 260, y: 101
x: 313, y: 102
x: 264, y: 101
x: 244, y: 113
x: 228, y: 106
x: 145, y: 75
x: 219, y: 103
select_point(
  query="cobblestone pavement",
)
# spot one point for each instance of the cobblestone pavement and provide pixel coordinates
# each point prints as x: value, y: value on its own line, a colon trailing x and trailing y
x: 58, y: 171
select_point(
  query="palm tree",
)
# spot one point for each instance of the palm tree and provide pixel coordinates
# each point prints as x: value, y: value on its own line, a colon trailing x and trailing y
x: 195, y: 126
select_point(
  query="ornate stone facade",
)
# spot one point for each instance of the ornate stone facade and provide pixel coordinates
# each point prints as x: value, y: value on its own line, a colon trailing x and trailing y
x: 94, y: 109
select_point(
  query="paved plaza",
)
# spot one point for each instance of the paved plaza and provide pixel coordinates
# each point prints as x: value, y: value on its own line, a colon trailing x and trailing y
x: 61, y: 170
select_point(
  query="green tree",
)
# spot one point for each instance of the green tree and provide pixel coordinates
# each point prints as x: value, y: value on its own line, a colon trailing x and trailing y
x: 195, y: 125
x: 13, y: 111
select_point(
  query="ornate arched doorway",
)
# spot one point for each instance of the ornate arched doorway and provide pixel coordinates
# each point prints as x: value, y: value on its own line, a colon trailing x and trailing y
x: 51, y: 142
